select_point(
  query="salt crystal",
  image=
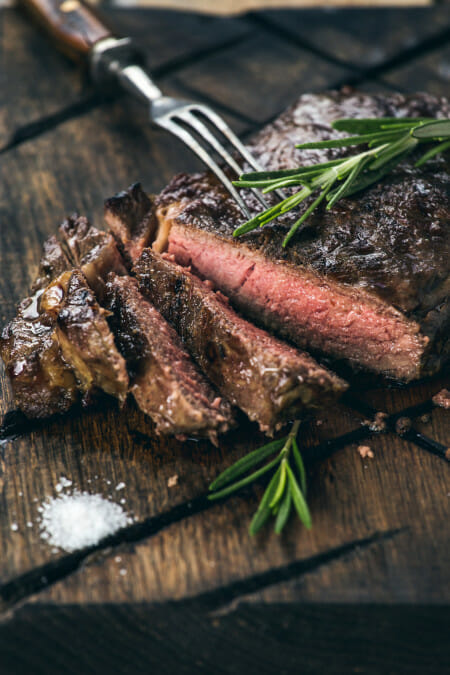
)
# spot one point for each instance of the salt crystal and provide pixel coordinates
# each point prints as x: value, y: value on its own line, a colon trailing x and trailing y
x: 118, y: 559
x: 75, y: 521
x: 63, y: 483
x: 29, y: 524
x: 123, y: 500
x: 14, y: 527
x: 122, y: 572
x: 120, y: 486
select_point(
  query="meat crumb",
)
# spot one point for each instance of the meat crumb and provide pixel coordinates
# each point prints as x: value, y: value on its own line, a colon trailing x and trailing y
x: 216, y: 403
x: 173, y: 481
x: 379, y: 422
x: 403, y: 425
x: 365, y: 451
x: 442, y: 399
x: 447, y: 454
x: 425, y: 419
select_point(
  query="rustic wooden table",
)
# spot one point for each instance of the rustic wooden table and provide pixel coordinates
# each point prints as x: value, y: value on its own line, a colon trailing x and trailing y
x: 184, y: 589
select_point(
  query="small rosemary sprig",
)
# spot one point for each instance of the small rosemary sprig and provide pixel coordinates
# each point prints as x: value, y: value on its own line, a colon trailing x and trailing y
x: 389, y: 141
x: 287, y: 486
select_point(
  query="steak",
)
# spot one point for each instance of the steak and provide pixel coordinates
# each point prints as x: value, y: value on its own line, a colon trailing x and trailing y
x: 59, y: 350
x: 164, y: 381
x: 95, y: 252
x: 43, y: 383
x: 131, y: 217
x: 269, y: 380
x: 367, y: 281
x: 86, y: 341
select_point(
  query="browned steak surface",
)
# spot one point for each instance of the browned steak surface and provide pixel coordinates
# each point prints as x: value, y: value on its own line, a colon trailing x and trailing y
x: 86, y: 341
x: 131, y: 218
x: 95, y: 252
x: 269, y: 380
x: 165, y: 382
x: 385, y: 250
x: 59, y: 349
x: 43, y: 383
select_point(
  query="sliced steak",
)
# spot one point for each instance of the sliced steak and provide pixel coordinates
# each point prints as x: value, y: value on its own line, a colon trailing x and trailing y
x: 59, y: 349
x: 43, y: 383
x: 93, y: 251
x: 269, y: 380
x: 54, y: 262
x: 164, y: 381
x: 87, y: 343
x: 131, y: 218
x: 367, y: 282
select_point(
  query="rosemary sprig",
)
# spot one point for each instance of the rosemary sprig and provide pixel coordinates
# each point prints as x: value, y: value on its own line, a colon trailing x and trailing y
x: 287, y: 486
x: 389, y: 140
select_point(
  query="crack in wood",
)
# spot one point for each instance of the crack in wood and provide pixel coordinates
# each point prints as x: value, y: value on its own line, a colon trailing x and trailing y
x: 227, y: 598
x: 410, y: 434
x: 428, y: 44
x: 216, y: 602
x: 40, y: 126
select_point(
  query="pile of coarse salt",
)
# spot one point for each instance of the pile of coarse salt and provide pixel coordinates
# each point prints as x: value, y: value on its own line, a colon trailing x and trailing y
x: 78, y: 520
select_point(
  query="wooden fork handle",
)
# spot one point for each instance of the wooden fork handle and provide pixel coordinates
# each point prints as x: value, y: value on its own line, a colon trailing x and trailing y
x: 73, y: 25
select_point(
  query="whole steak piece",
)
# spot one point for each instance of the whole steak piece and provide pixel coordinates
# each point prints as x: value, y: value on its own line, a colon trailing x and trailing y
x: 367, y: 281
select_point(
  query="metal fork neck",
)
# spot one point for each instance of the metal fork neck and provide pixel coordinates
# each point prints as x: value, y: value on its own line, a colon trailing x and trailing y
x: 120, y: 60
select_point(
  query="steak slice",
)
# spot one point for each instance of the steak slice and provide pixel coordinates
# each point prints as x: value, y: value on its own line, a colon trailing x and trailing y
x: 54, y: 262
x: 93, y: 251
x: 131, y: 217
x: 43, y: 383
x: 87, y: 343
x: 367, y: 281
x: 269, y: 380
x: 165, y: 382
x: 59, y: 347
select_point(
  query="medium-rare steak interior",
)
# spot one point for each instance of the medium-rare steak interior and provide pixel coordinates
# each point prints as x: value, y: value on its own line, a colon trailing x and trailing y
x: 164, y: 381
x: 367, y: 282
x: 269, y: 380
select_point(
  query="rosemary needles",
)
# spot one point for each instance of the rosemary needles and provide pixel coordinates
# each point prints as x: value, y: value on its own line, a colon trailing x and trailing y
x: 286, y: 489
x: 389, y: 140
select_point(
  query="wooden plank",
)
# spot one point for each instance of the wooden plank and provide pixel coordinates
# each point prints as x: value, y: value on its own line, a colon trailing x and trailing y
x: 267, y: 639
x: 428, y: 73
x: 25, y: 76
x: 278, y: 71
x: 361, y: 38
x: 169, y: 38
x: 387, y: 513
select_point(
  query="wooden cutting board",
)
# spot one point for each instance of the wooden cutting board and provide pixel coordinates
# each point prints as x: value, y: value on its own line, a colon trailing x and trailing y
x: 184, y: 589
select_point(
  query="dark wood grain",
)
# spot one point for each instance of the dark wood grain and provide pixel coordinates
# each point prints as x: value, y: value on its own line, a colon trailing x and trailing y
x: 184, y: 589
x: 279, y: 73
x: 361, y: 38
